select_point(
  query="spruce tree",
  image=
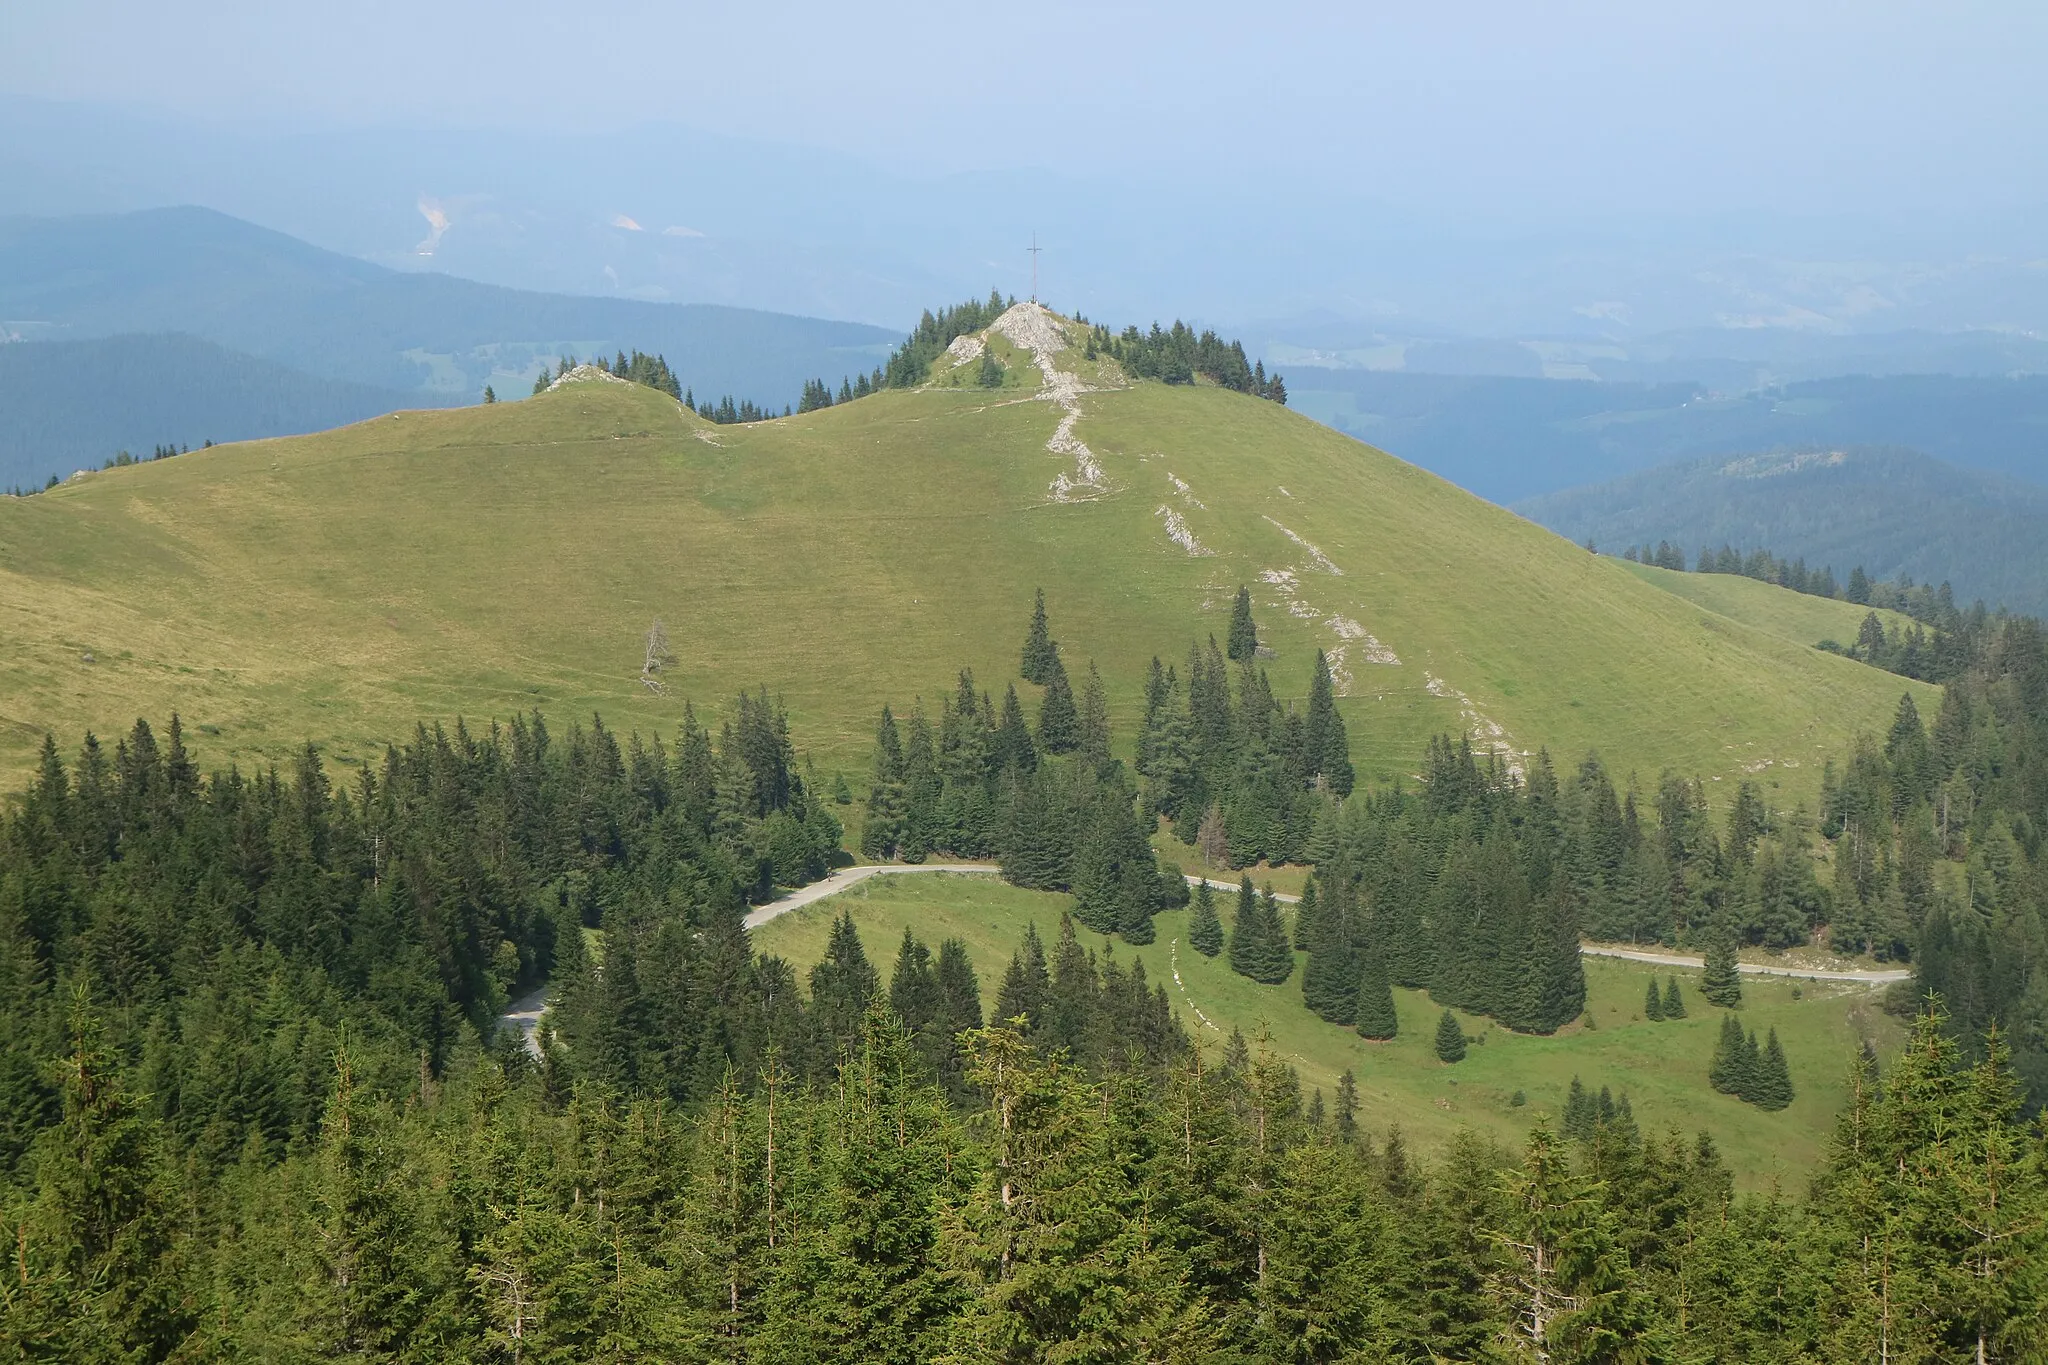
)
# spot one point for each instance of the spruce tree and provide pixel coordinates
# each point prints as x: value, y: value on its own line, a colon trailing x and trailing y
x: 1749, y: 1068
x: 1276, y: 956
x: 1721, y: 982
x: 1347, y: 1107
x: 1724, y: 1073
x: 1243, y: 639
x: 883, y: 827
x: 1554, y: 974
x: 1674, y: 1003
x: 1375, y: 1017
x: 1773, y: 1089
x: 1450, y: 1039
x: 842, y: 984
x: 1247, y: 956
x: 1329, y: 983
x: 1205, y: 927
x: 1653, y: 1002
x: 1025, y: 983
x: 1059, y: 722
x: 1135, y: 921
x: 1578, y: 1113
x: 1094, y: 729
x: 1039, y: 650
x: 1073, y: 1001
x: 1325, y: 747
x: 1307, y: 925
x: 1012, y: 744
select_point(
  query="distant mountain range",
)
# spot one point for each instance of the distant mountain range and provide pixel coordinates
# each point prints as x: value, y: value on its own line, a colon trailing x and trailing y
x: 417, y: 339
x: 69, y: 405
x: 1510, y: 439
x: 1889, y: 510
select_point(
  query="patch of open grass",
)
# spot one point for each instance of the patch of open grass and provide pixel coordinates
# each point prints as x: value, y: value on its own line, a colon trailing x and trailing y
x: 490, y: 560
x: 1661, y: 1066
x: 1795, y: 616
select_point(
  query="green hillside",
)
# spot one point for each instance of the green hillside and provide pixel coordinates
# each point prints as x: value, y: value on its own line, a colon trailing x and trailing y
x: 487, y: 560
x: 1662, y: 1066
x: 1798, y: 617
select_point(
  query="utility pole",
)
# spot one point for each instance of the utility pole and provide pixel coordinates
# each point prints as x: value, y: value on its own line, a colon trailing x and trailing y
x: 1034, y: 249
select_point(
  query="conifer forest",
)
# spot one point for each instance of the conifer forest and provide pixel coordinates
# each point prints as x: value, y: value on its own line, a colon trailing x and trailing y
x: 258, y: 1105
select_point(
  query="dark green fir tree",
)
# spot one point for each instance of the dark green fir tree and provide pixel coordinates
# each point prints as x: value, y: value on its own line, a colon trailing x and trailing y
x: 1025, y: 983
x: 1347, y: 1107
x: 1450, y: 1039
x: 1307, y: 917
x: 1376, y: 1018
x: 1059, y: 721
x: 1277, y: 947
x: 1674, y: 1003
x: 1205, y: 927
x: 1039, y: 650
x: 1243, y: 641
x: 1325, y: 747
x: 1724, y: 1072
x: 1653, y: 1001
x: 1721, y: 982
x: 1773, y: 1089
x: 1581, y: 1114
x: 1247, y: 957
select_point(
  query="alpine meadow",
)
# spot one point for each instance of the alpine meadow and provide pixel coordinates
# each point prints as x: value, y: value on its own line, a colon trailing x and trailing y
x: 622, y: 875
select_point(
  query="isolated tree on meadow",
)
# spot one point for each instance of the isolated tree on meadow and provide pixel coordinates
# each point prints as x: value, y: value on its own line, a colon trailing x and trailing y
x: 1243, y: 640
x: 1450, y: 1039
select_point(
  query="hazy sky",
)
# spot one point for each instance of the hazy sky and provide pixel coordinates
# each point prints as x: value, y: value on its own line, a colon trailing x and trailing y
x: 1561, y: 109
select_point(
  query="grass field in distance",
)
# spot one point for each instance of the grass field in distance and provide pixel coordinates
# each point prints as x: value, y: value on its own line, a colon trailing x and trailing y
x: 1662, y: 1066
x: 343, y: 587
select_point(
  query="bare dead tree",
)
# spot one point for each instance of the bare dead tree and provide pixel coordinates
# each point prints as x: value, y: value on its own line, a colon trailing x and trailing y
x: 658, y: 657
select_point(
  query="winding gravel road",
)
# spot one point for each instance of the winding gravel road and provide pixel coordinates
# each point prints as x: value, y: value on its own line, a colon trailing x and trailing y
x: 1870, y: 978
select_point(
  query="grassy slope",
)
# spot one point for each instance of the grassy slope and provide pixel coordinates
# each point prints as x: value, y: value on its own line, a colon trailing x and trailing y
x: 1794, y: 616
x: 490, y: 559
x: 1662, y: 1066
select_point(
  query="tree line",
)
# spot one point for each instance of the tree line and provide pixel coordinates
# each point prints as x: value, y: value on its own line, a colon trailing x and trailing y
x: 1111, y: 1211
x: 254, y: 1103
x: 911, y: 363
x: 120, y: 459
x: 651, y: 371
x: 1938, y: 647
x: 1176, y: 355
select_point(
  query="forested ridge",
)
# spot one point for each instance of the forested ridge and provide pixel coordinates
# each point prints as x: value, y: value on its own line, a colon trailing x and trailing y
x: 255, y: 1105
x: 1898, y: 513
